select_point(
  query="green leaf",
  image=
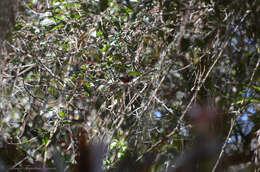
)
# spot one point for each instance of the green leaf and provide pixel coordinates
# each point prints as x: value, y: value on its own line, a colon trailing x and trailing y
x: 257, y: 88
x: 62, y: 114
x: 65, y: 45
x: 251, y: 100
x: 60, y: 25
x: 134, y: 73
x: 45, y: 139
x: 128, y: 10
x: 83, y: 67
x: 28, y: 78
x: 113, y: 144
x: 98, y: 33
x: 36, y: 75
x: 104, y: 48
x: 52, y: 90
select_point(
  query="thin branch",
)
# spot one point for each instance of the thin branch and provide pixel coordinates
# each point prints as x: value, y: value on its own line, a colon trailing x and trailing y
x: 30, y: 94
x: 158, y: 143
x: 156, y: 90
x: 165, y: 138
x: 164, y: 105
x: 52, y: 132
x: 18, y: 163
x: 224, y: 145
x: 253, y: 74
x: 27, y: 69
x: 187, y: 108
x: 61, y: 82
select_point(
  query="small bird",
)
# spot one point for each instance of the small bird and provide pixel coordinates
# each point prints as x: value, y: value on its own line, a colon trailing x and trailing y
x: 126, y: 78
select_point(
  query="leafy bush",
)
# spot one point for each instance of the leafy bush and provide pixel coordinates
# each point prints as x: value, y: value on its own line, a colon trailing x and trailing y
x: 61, y: 70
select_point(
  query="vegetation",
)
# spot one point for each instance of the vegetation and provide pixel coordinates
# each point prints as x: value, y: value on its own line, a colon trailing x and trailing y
x: 126, y: 74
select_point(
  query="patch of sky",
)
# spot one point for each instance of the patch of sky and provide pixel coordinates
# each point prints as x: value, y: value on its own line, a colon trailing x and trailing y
x: 234, y: 41
x: 243, y: 120
x: 157, y: 114
x: 184, y: 131
x: 251, y: 110
x: 234, y: 139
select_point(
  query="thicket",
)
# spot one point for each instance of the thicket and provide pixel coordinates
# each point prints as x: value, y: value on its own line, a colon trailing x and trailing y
x: 125, y: 74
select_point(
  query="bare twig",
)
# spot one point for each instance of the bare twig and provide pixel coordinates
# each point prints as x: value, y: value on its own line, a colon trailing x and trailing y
x: 233, y: 120
x: 224, y: 145
x: 200, y: 84
x: 18, y: 163
x: 52, y: 132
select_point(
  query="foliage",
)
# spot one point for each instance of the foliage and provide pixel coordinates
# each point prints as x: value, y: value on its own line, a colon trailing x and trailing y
x: 61, y: 69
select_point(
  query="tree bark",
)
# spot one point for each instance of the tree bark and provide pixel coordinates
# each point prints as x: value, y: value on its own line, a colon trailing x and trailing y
x: 8, y: 9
